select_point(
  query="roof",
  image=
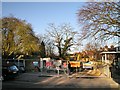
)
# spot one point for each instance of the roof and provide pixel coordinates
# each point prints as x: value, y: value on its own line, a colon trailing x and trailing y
x: 110, y: 52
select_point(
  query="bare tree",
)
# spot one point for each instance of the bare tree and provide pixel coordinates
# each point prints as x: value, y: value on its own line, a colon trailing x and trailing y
x: 92, y: 49
x: 100, y: 20
x: 63, y: 37
x: 49, y: 44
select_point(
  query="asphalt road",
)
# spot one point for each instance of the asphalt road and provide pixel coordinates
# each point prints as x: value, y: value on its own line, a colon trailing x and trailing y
x: 35, y: 80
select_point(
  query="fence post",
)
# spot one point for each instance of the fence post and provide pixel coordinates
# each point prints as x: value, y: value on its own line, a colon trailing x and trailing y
x: 41, y: 65
x: 58, y: 71
x: 106, y: 71
x: 24, y: 62
x: 67, y: 68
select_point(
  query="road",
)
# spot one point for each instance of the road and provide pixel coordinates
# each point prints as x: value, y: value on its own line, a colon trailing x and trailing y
x: 35, y: 80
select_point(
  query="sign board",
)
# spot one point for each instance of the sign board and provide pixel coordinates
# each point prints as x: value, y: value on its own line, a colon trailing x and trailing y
x: 57, y: 63
x: 48, y: 64
x: 65, y: 65
x: 74, y: 64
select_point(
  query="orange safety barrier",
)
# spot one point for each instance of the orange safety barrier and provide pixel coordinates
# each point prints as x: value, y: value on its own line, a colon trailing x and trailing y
x: 74, y: 64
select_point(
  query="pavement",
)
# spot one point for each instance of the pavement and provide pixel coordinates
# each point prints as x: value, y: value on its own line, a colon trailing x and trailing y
x: 86, y: 79
x: 53, y: 80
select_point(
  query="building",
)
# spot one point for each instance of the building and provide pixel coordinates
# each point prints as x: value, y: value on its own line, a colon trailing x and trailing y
x: 110, y: 55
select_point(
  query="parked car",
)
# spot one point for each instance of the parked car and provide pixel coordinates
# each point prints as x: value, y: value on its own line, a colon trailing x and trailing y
x: 9, y: 70
x: 20, y: 67
x: 88, y: 65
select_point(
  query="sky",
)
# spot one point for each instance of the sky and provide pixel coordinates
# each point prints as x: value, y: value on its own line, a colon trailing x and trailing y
x: 59, y: 0
x: 40, y: 14
x: 45, y: 0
